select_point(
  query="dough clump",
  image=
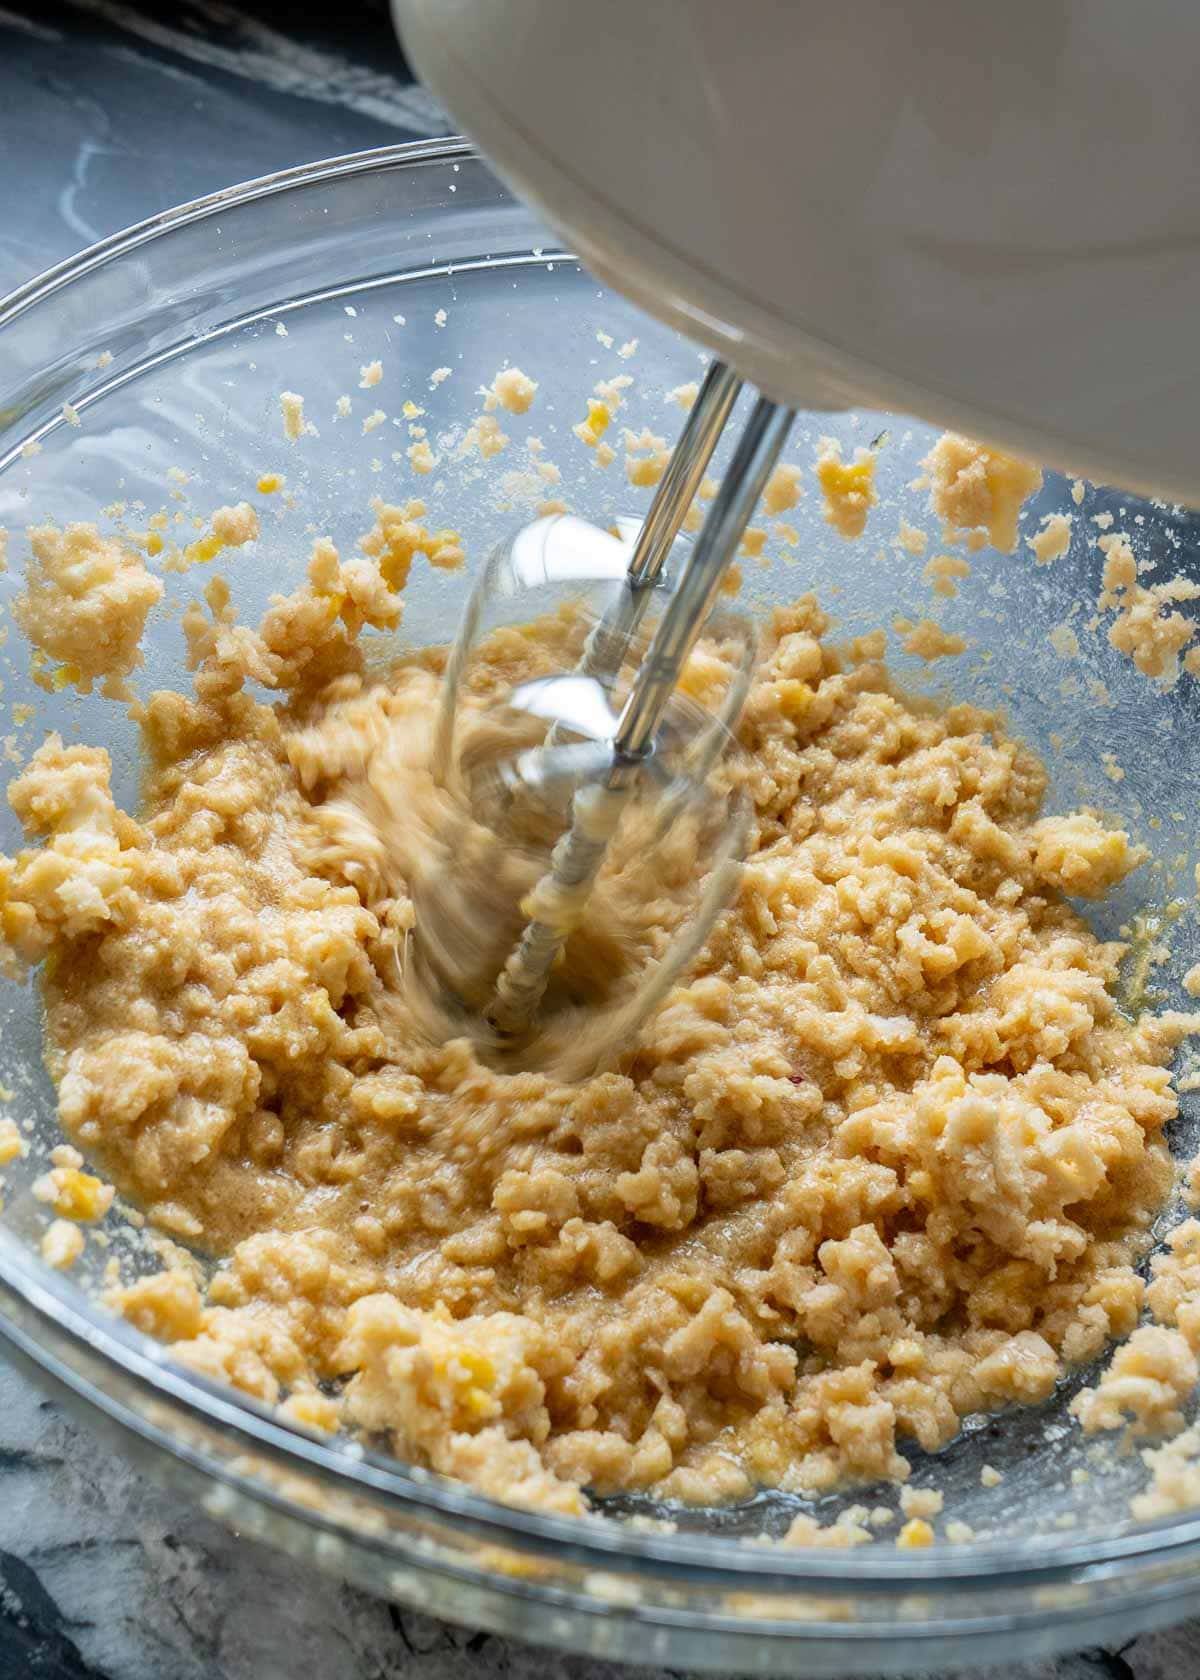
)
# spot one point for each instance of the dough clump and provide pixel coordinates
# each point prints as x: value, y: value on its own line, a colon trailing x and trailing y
x: 85, y: 604
x: 979, y: 492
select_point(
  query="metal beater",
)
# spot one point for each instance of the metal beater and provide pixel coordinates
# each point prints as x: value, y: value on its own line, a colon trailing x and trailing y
x: 585, y: 760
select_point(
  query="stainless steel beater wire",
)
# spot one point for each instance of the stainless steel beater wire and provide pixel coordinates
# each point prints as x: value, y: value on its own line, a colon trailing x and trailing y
x: 689, y: 607
x: 685, y: 472
x: 576, y: 859
x: 605, y: 649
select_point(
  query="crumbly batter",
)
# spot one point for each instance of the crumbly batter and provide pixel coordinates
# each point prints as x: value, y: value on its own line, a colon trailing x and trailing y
x: 1147, y: 627
x: 928, y: 640
x: 1052, y: 538
x: 884, y: 1160
x: 944, y: 571
x: 86, y: 602
x: 510, y: 389
x: 848, y: 487
x: 978, y: 492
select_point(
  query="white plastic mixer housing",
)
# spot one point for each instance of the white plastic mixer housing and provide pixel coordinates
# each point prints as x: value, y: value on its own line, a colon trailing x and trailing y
x: 985, y: 216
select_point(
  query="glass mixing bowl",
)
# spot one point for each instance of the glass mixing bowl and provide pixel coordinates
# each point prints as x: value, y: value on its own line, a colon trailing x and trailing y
x: 172, y: 342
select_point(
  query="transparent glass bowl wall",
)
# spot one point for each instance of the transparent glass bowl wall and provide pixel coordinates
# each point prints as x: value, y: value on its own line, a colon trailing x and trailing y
x: 173, y: 342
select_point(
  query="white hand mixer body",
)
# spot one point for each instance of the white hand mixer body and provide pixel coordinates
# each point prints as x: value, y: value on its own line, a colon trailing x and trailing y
x: 988, y: 217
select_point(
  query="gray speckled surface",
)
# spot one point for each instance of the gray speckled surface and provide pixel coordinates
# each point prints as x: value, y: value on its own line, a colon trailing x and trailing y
x: 111, y: 111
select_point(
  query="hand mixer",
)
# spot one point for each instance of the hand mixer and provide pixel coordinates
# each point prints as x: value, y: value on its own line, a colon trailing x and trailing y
x: 942, y: 210
x: 589, y: 762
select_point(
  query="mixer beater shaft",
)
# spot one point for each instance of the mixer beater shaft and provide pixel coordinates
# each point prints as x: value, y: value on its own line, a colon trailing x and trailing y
x: 557, y: 901
x: 606, y: 647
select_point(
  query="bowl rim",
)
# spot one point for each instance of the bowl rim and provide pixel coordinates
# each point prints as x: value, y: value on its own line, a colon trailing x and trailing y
x: 450, y: 149
x: 592, y: 1540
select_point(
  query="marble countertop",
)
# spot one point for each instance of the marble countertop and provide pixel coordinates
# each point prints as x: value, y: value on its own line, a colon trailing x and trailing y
x: 112, y: 110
